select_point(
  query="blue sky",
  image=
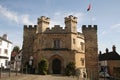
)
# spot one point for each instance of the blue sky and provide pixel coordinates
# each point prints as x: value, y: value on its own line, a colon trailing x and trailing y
x: 104, y: 13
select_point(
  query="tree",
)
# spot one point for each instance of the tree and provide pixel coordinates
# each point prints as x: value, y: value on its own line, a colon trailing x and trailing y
x: 70, y: 69
x: 16, y: 49
x: 43, y: 67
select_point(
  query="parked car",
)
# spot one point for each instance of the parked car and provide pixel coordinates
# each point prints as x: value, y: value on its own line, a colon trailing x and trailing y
x: 104, y: 74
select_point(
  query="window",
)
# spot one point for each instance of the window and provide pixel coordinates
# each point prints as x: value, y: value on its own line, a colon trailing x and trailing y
x: 0, y: 42
x: 73, y: 41
x: 5, y: 51
x: 7, y: 44
x: 6, y: 62
x: 82, y: 61
x: 56, y: 43
x: 0, y: 50
x: 74, y: 28
x: 82, y: 45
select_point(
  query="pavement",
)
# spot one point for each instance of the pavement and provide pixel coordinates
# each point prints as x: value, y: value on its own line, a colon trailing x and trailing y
x: 38, y: 77
x: 19, y: 76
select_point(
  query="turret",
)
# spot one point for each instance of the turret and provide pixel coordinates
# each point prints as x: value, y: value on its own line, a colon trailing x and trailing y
x: 43, y: 24
x: 71, y: 24
x: 28, y: 40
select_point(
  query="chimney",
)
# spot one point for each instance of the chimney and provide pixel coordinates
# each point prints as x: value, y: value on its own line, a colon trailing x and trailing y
x: 100, y: 52
x: 4, y: 36
x: 114, y: 48
x: 107, y: 50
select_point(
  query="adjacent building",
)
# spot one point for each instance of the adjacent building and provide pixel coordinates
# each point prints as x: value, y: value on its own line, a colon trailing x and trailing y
x: 110, y: 62
x: 5, y: 51
x: 61, y: 45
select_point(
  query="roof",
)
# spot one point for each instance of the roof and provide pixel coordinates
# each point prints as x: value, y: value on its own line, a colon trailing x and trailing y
x: 5, y: 40
x: 109, y: 56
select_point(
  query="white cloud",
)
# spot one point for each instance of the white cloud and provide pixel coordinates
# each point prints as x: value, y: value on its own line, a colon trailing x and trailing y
x: 8, y: 14
x: 57, y: 19
x: 25, y: 19
x: 13, y: 16
x: 116, y: 26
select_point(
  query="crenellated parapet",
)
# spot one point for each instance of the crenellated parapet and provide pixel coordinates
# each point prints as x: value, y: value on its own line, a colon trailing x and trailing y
x: 44, y: 19
x: 85, y: 27
x: 29, y: 30
x: 55, y: 29
x: 43, y: 24
x: 71, y: 24
x: 30, y: 27
x: 70, y: 18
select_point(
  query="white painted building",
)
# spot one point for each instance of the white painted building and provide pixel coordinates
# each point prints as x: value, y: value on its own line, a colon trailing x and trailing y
x: 5, y: 51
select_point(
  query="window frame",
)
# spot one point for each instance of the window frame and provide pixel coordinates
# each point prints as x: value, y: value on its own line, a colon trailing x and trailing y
x: 56, y: 43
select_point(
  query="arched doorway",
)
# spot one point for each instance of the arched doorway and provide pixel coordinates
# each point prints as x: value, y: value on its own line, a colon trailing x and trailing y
x: 56, y: 66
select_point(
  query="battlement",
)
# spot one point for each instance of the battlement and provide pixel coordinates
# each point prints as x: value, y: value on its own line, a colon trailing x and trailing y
x: 85, y: 27
x: 43, y: 19
x: 70, y: 18
x: 55, y: 29
x: 30, y: 27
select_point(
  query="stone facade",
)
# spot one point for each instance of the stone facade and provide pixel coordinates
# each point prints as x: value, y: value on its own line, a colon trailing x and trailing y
x: 59, y: 46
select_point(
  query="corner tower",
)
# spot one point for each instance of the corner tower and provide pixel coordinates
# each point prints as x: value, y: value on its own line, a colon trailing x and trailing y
x: 71, y: 24
x: 29, y: 33
x: 91, y: 50
x: 43, y: 24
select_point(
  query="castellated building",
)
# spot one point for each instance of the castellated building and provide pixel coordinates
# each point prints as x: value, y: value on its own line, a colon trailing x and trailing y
x: 61, y: 45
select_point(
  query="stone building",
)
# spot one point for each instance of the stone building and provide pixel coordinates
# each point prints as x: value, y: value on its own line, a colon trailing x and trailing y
x: 109, y: 62
x: 60, y: 45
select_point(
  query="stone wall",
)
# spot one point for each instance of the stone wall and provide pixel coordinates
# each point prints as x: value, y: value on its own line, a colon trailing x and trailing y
x: 91, y: 50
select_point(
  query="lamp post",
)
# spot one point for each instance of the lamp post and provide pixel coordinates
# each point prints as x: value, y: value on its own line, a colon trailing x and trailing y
x: 31, y: 63
x: 1, y: 71
x: 10, y: 69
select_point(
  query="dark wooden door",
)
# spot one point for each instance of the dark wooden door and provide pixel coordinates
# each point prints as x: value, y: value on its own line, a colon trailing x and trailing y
x: 56, y: 66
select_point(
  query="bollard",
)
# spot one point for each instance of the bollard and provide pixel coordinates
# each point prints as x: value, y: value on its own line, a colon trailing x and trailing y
x: 0, y: 72
x: 16, y: 68
x: 10, y: 69
x: 26, y: 69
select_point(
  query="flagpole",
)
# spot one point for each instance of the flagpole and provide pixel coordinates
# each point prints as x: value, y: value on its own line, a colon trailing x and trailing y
x: 91, y: 21
x: 90, y: 13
